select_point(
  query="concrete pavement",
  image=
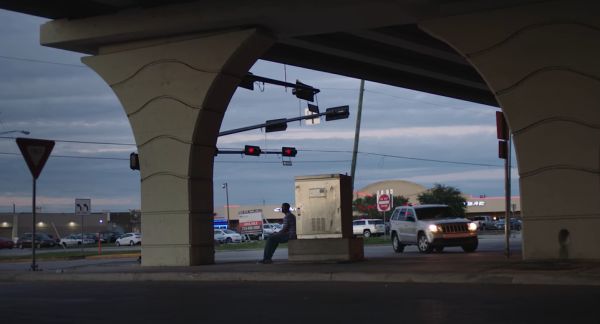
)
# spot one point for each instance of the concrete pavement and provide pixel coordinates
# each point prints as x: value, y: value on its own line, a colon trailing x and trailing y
x: 485, y: 267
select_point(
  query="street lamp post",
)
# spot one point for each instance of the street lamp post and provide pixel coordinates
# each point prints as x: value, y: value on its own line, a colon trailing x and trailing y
x: 226, y: 187
x: 24, y: 132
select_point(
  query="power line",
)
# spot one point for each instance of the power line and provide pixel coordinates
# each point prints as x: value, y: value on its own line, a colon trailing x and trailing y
x: 405, y: 157
x: 80, y: 142
x: 307, y: 150
x: 75, y: 157
x: 124, y: 159
x: 40, y: 61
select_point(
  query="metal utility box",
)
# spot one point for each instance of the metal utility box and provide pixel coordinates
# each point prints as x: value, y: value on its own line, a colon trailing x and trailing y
x: 324, y: 206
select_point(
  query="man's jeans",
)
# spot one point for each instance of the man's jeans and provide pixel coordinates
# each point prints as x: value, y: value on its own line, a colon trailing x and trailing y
x: 272, y: 244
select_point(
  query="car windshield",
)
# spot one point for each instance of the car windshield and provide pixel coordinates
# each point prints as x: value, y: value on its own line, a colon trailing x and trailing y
x: 230, y: 232
x: 376, y: 222
x: 435, y: 213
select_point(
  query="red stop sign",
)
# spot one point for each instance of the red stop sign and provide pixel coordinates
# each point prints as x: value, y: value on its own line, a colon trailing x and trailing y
x: 383, y: 202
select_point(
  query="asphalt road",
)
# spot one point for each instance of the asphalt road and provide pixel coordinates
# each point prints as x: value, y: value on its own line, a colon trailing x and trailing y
x: 93, y: 248
x: 268, y: 302
x: 487, y: 243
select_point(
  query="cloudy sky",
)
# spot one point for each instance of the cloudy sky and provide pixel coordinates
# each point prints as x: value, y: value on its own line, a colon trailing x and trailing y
x: 51, y: 94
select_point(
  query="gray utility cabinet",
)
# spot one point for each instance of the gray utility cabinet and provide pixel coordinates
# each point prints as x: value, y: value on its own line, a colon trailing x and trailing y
x: 324, y: 206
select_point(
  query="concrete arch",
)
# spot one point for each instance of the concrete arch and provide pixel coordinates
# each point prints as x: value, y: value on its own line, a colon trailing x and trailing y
x: 540, y: 60
x: 175, y: 92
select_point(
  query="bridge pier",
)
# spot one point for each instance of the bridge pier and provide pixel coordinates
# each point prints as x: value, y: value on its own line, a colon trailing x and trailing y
x: 541, y: 62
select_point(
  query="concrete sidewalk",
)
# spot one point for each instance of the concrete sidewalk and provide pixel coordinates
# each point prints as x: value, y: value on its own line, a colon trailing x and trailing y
x: 475, y: 268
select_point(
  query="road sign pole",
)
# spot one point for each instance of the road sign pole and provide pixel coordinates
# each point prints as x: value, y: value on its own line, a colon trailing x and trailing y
x: 33, y: 265
x: 82, y: 241
x: 36, y: 153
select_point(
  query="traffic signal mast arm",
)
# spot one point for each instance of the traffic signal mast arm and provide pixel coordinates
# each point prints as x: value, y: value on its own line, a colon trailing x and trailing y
x: 331, y: 114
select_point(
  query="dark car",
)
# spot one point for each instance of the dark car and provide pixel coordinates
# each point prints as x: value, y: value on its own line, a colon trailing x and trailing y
x: 109, y: 236
x: 41, y: 240
x: 515, y: 224
x: 6, y: 243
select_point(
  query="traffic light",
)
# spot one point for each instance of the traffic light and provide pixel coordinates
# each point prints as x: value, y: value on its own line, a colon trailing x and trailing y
x: 341, y: 112
x: 134, y: 161
x: 289, y: 151
x: 276, y: 125
x: 304, y: 91
x: 252, y: 150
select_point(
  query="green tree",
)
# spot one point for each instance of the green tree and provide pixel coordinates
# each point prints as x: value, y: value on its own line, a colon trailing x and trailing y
x: 447, y: 195
x: 367, y: 205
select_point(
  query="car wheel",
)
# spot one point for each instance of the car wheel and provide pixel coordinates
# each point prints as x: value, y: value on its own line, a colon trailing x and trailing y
x: 118, y: 244
x: 131, y: 243
x: 228, y: 240
x: 398, y: 247
x: 20, y: 246
x: 469, y: 248
x: 367, y: 233
x: 439, y: 249
x: 39, y: 245
x: 423, y: 244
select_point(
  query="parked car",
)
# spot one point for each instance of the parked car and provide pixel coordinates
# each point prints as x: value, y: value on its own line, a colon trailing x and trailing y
x: 484, y: 222
x: 246, y: 238
x: 109, y: 236
x: 368, y: 227
x: 6, y: 243
x: 219, y: 236
x: 230, y: 236
x: 515, y: 224
x: 41, y: 240
x: 74, y: 239
x: 129, y: 239
x: 270, y: 229
x: 431, y: 227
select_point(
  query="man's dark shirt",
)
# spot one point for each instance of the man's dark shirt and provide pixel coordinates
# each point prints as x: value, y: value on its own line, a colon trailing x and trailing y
x: 289, y: 225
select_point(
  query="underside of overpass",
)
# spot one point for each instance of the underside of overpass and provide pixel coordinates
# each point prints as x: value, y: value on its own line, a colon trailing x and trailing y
x: 174, y: 65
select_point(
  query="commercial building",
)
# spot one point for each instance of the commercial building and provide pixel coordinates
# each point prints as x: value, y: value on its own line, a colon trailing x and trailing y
x: 63, y: 224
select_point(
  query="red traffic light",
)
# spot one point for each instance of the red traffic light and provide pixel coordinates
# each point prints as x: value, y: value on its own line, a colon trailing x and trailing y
x: 289, y: 151
x: 252, y: 150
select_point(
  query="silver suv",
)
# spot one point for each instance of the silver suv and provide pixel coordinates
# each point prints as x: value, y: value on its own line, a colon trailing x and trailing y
x: 431, y: 227
x: 368, y: 227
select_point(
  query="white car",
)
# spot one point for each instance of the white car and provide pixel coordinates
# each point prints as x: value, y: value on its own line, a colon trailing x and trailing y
x: 129, y: 239
x: 229, y: 236
x: 219, y: 236
x: 270, y: 229
x: 368, y: 227
x: 75, y: 239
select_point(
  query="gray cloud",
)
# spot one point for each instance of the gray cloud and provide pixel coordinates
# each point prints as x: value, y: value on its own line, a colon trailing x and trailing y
x: 69, y: 102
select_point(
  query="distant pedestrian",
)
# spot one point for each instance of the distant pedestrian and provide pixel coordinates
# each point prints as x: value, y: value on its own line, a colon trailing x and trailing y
x: 287, y: 232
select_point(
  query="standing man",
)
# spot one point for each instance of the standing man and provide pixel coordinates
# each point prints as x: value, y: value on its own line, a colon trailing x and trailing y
x: 287, y: 232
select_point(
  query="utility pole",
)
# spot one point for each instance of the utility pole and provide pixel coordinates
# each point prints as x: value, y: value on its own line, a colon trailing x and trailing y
x: 507, y: 197
x: 226, y: 187
x: 357, y: 131
x: 15, y: 229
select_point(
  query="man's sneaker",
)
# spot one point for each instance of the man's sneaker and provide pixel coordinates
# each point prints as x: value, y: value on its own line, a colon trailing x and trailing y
x: 265, y: 261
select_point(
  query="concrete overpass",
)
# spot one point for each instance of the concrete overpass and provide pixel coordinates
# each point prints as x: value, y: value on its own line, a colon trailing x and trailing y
x: 174, y: 65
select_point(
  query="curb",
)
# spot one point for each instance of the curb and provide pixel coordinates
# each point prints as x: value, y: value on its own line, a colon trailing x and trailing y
x: 437, y: 278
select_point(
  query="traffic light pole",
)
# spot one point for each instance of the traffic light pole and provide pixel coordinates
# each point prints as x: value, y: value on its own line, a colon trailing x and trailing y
x: 507, y: 196
x: 339, y: 111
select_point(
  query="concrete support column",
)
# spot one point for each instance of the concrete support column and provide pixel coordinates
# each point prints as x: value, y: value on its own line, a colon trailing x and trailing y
x: 175, y: 92
x: 541, y: 61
